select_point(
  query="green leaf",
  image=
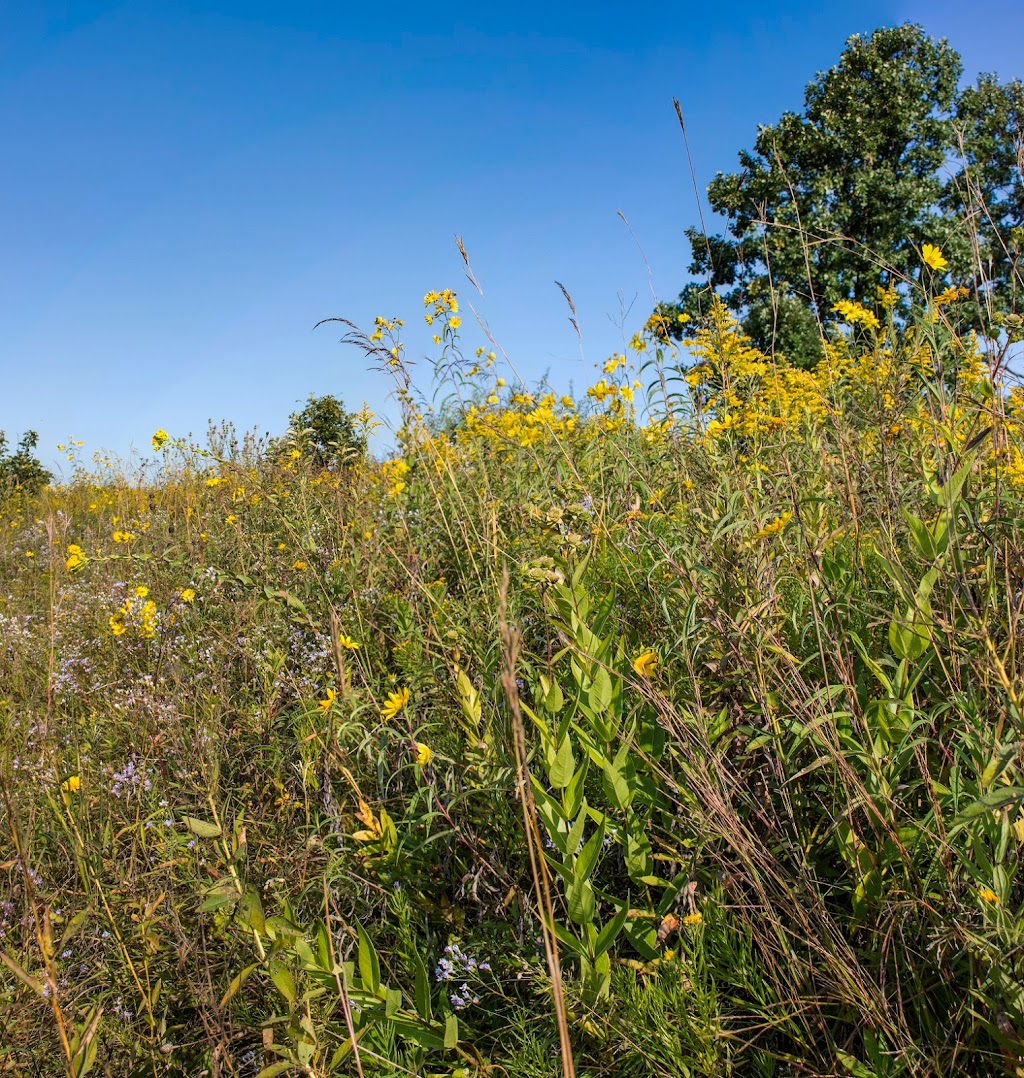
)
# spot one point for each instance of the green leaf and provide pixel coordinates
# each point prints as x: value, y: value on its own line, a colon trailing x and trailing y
x: 250, y: 911
x: 572, y: 797
x: 451, y: 1031
x: 600, y: 695
x: 581, y: 902
x: 553, y: 697
x: 1001, y: 759
x: 587, y: 860
x: 606, y: 937
x: 283, y: 981
x: 422, y: 988
x: 369, y: 964
x: 236, y: 983
x: 202, y: 828
x: 563, y: 766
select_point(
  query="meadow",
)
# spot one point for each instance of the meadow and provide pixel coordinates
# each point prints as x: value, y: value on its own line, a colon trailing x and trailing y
x: 671, y: 729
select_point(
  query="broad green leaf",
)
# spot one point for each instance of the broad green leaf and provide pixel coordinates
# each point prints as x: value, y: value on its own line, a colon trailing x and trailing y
x: 553, y: 698
x: 202, y: 828
x: 369, y: 964
x: 250, y: 911
x: 283, y: 981
x: 451, y: 1031
x: 581, y: 902
x: 563, y: 766
x: 600, y: 690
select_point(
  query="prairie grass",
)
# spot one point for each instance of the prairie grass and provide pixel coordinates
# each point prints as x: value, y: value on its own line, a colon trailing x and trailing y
x: 674, y: 730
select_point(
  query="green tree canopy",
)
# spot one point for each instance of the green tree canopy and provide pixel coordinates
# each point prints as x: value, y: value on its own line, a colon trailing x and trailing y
x: 326, y: 432
x: 887, y: 154
x: 21, y: 470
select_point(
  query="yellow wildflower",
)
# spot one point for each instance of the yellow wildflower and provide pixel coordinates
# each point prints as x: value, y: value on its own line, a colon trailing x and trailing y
x: 142, y: 591
x: 187, y: 596
x: 646, y: 663
x: 857, y: 313
x: 325, y: 705
x: 986, y: 894
x: 455, y: 321
x: 72, y: 785
x: 423, y: 754
x: 300, y: 565
x: 160, y: 439
x: 76, y: 558
x: 933, y: 257
x: 394, y: 704
x: 692, y: 919
x: 775, y: 526
x: 230, y: 518
x: 347, y: 642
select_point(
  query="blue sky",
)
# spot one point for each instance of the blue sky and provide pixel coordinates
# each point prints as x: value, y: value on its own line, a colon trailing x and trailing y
x: 188, y: 187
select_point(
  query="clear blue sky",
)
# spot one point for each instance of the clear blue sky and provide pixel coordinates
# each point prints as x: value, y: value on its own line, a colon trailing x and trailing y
x: 186, y: 188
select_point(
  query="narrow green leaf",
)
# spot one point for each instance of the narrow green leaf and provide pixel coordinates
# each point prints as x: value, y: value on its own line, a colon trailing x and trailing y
x: 606, y: 937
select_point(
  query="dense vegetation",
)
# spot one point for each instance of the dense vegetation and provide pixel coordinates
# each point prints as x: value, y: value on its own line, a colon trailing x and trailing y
x: 683, y: 743
x: 670, y: 730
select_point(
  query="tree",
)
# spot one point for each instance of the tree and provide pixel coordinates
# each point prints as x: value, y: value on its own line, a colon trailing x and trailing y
x: 21, y: 470
x: 887, y: 155
x: 326, y: 432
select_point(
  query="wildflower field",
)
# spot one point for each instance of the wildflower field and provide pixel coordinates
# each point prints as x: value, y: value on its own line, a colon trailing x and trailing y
x: 670, y: 730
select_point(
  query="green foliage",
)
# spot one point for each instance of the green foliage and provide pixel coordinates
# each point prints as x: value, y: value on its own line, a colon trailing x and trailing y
x: 21, y: 470
x: 857, y: 181
x: 326, y: 432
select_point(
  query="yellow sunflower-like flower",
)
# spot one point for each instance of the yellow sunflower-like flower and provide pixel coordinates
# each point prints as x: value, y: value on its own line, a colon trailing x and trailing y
x: 933, y: 257
x: 72, y: 785
x: 325, y: 705
x: 423, y: 754
x: 76, y: 558
x: 646, y: 663
x: 347, y: 642
x: 394, y: 704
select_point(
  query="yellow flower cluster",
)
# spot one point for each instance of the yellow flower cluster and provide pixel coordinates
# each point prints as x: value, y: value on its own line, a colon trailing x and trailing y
x: 382, y: 324
x: 440, y: 304
x: 526, y: 422
x: 393, y: 473
x: 76, y: 558
x: 658, y: 326
x: 744, y: 390
x: 138, y: 612
x: 856, y: 314
x: 775, y: 526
